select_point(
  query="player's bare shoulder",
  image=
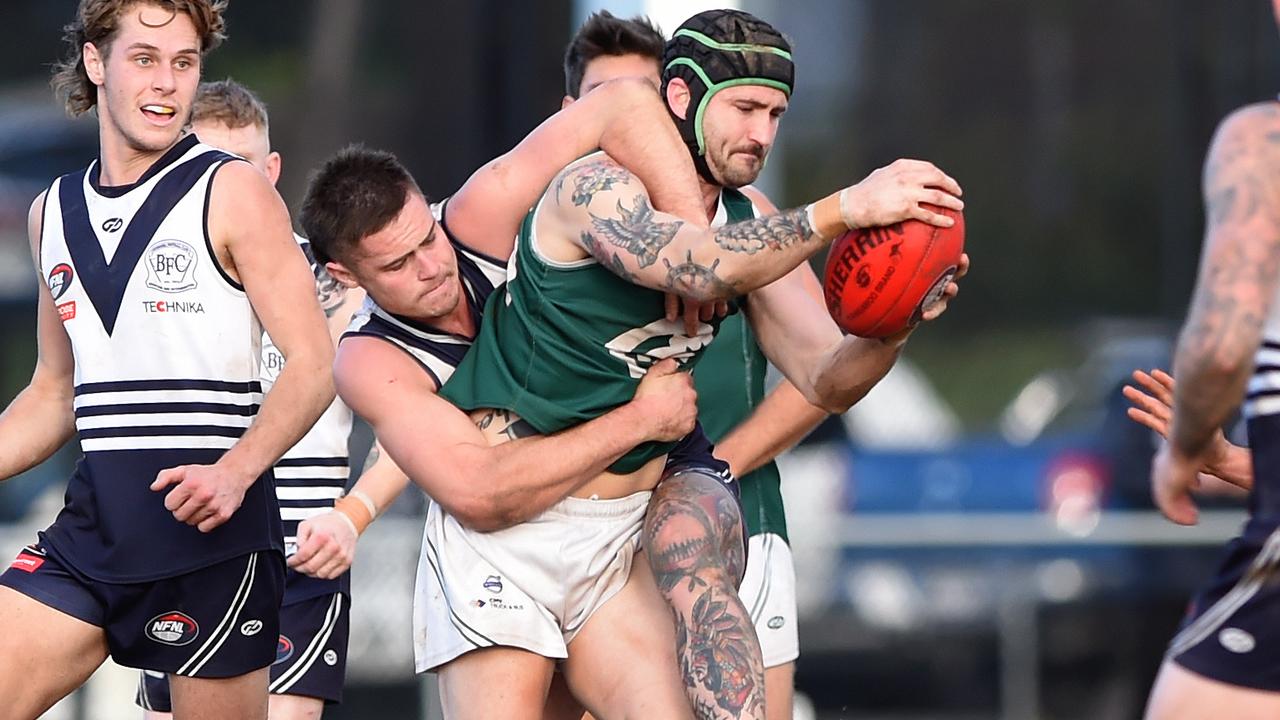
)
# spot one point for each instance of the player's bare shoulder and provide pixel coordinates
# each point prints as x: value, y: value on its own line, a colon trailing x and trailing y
x: 35, y: 224
x: 1242, y: 170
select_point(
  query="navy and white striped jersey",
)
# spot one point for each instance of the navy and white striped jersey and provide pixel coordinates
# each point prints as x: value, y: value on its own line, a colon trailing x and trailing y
x: 437, y: 352
x: 166, y: 349
x: 312, y: 474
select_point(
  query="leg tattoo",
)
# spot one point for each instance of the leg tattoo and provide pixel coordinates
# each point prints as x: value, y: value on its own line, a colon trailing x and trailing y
x: 693, y: 534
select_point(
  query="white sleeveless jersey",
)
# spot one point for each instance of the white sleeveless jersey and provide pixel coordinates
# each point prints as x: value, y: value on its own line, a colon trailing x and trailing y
x: 165, y: 343
x: 311, y: 475
x: 166, y: 349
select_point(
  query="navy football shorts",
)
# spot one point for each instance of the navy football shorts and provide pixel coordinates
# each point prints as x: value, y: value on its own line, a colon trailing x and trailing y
x: 311, y: 654
x: 218, y: 621
x: 1231, y: 633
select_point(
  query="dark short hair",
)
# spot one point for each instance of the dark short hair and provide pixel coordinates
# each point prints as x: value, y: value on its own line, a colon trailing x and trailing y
x: 355, y: 193
x: 98, y: 21
x: 230, y: 103
x: 604, y: 34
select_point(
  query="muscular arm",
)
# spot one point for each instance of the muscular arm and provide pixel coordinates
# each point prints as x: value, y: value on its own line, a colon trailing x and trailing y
x: 780, y: 421
x: 439, y: 448
x: 599, y: 209
x: 281, y: 289
x: 625, y: 117
x: 1238, y: 276
x: 40, y: 419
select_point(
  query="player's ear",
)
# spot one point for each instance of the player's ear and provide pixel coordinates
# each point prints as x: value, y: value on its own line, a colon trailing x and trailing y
x: 566, y: 101
x: 273, y: 167
x: 93, y: 61
x: 341, y: 274
x: 678, y: 97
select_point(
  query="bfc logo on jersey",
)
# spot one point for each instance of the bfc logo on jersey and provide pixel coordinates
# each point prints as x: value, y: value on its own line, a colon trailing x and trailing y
x: 284, y: 650
x: 60, y: 278
x: 170, y: 266
x: 172, y: 628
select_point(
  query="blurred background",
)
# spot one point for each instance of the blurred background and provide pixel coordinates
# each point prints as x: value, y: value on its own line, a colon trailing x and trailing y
x: 975, y: 539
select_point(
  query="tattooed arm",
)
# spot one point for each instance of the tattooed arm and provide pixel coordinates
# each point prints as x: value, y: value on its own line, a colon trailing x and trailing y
x: 596, y: 208
x: 625, y: 117
x: 1238, y: 279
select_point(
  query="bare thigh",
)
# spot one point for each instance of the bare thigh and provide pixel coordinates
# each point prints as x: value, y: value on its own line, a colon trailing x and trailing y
x: 294, y: 707
x: 496, y: 682
x: 622, y: 664
x: 242, y: 696
x: 44, y: 654
x: 779, y: 691
x: 1180, y: 694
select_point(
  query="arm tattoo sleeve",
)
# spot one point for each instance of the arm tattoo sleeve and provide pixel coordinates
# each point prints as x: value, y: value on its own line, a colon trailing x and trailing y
x: 594, y: 177
x: 773, y: 232
x: 635, y: 231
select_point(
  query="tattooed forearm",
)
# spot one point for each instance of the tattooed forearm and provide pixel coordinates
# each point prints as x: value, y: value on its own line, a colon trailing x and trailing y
x: 594, y: 177
x: 635, y: 231
x: 773, y: 232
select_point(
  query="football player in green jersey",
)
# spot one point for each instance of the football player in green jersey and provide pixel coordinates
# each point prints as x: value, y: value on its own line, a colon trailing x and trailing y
x: 749, y: 427
x: 572, y: 333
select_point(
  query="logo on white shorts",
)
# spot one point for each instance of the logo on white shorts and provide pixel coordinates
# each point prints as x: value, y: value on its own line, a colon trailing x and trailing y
x: 1237, y: 640
x: 493, y: 584
x: 251, y: 627
x: 330, y: 658
x: 776, y: 622
x: 172, y: 628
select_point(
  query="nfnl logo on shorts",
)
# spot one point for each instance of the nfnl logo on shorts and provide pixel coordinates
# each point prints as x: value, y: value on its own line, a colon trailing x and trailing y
x: 493, y: 584
x: 60, y: 278
x: 27, y: 562
x: 169, y: 266
x: 172, y: 628
x: 284, y: 650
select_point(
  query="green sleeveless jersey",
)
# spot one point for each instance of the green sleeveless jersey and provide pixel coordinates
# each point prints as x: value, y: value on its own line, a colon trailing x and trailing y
x: 563, y: 343
x: 730, y: 384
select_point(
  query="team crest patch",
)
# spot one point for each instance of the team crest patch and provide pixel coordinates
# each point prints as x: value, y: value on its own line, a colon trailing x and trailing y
x: 170, y: 266
x: 284, y: 650
x: 172, y: 628
x: 60, y: 278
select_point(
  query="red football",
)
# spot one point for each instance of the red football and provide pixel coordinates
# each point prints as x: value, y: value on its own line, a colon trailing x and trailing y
x: 879, y: 280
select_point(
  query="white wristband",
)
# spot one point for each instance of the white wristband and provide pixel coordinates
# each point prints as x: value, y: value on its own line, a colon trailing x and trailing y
x: 846, y: 215
x: 350, y: 523
x: 366, y: 501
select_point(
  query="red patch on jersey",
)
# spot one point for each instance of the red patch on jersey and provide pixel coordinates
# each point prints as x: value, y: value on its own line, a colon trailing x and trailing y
x: 27, y: 562
x: 67, y: 311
